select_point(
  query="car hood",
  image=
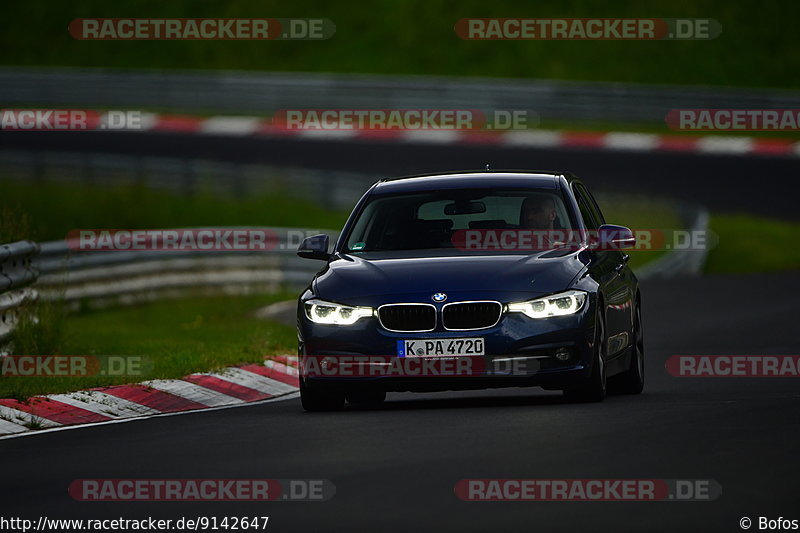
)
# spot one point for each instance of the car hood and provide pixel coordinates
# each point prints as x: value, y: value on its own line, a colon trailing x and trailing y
x: 370, y: 279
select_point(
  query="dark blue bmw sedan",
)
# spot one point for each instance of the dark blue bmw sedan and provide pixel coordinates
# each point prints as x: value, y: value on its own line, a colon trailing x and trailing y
x: 471, y: 280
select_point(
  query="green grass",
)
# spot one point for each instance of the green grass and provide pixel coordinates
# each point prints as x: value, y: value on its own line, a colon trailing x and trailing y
x: 753, y: 244
x: 175, y: 338
x: 640, y: 213
x: 757, y: 47
x: 50, y: 210
x: 40, y: 327
x: 47, y: 211
x: 14, y: 222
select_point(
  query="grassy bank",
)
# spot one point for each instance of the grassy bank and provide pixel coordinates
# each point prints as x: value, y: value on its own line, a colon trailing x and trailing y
x: 47, y: 211
x: 640, y: 213
x: 417, y: 37
x: 50, y: 210
x: 173, y: 338
x: 753, y: 244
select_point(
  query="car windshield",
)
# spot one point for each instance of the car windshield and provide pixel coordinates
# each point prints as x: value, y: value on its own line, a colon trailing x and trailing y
x: 437, y: 219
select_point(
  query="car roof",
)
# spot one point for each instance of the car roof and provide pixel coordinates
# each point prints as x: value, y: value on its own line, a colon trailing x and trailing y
x: 468, y: 180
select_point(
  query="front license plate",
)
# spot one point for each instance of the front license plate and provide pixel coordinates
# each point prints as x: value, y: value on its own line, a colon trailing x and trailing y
x: 440, y: 347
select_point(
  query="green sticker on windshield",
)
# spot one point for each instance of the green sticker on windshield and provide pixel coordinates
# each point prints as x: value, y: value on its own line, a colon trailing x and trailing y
x: 358, y: 246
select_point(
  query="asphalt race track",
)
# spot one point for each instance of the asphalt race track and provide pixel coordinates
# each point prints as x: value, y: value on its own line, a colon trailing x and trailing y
x: 752, y: 183
x: 394, y: 468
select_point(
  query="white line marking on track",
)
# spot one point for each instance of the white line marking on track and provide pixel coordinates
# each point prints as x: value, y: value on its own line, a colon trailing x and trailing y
x: 532, y: 138
x: 631, y: 141
x: 725, y: 145
x: 223, y: 125
x: 237, y: 125
x: 327, y: 134
x: 431, y: 136
x: 147, y: 121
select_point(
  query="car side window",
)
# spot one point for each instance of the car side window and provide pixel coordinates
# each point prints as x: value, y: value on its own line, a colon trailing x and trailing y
x: 592, y: 203
x: 589, y: 217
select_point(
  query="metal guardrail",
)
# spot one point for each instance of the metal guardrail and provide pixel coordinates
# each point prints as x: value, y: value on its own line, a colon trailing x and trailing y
x: 53, y: 270
x: 101, y: 278
x: 265, y: 93
x: 17, y: 273
x: 681, y: 262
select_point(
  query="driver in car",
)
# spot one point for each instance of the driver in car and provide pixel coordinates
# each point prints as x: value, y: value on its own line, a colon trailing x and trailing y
x: 538, y: 214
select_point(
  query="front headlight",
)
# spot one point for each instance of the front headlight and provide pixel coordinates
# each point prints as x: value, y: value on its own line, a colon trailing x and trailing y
x: 322, y: 312
x: 563, y: 303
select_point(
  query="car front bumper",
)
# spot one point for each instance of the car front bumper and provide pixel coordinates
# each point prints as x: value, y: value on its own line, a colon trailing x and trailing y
x: 553, y: 353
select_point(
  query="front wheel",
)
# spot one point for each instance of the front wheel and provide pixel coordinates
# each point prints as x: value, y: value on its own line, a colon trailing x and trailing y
x: 632, y: 380
x: 594, y: 388
x: 320, y: 400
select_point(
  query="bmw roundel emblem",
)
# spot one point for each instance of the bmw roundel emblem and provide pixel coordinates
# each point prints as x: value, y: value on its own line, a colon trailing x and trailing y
x: 439, y: 297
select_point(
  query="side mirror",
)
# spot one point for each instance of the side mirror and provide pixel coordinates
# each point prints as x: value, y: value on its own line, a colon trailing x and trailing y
x: 613, y: 237
x: 314, y: 247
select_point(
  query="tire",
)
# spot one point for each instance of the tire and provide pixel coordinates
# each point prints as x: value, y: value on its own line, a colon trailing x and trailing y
x: 320, y: 400
x: 594, y: 388
x: 632, y: 380
x: 366, y: 397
